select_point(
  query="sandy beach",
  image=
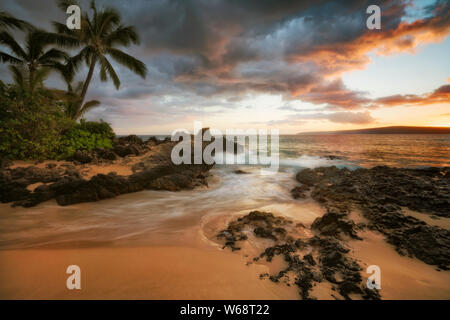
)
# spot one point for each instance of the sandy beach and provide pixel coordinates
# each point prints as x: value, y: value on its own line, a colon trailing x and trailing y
x: 182, y: 260
x: 225, y: 150
x: 135, y: 273
x: 221, y: 232
x: 401, y: 277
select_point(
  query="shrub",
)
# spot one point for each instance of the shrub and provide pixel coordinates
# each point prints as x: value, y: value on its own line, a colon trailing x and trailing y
x: 30, y: 128
x: 102, y: 128
x: 37, y: 128
x: 87, y: 135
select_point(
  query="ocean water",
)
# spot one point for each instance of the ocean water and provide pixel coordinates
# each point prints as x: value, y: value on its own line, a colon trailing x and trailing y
x: 361, y: 150
x: 148, y: 216
x: 369, y: 150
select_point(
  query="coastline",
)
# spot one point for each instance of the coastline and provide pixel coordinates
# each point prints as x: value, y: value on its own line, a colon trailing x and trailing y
x: 235, y: 151
x: 156, y: 272
x: 170, y: 245
x: 188, y: 267
x: 132, y: 165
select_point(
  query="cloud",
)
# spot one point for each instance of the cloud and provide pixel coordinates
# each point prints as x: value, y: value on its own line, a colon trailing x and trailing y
x: 341, y: 117
x: 336, y: 94
x: 207, y: 53
x: 347, y: 42
x: 440, y: 95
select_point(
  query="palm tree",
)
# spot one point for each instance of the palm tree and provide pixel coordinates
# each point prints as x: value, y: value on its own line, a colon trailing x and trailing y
x: 72, y: 108
x: 100, y: 35
x: 34, y: 56
x: 8, y: 21
x: 3, y: 87
x: 24, y: 83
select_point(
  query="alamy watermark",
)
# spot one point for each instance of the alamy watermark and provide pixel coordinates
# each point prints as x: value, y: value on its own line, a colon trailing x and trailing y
x: 374, y: 20
x: 374, y: 280
x: 74, y: 20
x: 237, y: 146
x: 74, y: 280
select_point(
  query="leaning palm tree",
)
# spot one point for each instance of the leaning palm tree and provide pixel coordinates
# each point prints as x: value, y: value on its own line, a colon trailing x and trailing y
x: 72, y: 107
x: 100, y: 36
x: 8, y: 21
x: 34, y: 56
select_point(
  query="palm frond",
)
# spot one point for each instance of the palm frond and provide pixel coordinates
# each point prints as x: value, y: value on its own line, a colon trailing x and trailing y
x: 107, y: 20
x: 7, y: 40
x: 8, y: 21
x: 64, y: 39
x: 107, y: 67
x: 81, y: 56
x: 95, y: 15
x: 61, y: 28
x: 101, y: 31
x: 86, y: 107
x: 128, y: 61
x: 65, y: 70
x: 38, y: 78
x: 2, y: 87
x: 7, y: 58
x: 122, y: 35
x: 52, y: 55
x: 64, y: 4
x: 19, y: 77
x: 103, y: 74
x: 34, y: 45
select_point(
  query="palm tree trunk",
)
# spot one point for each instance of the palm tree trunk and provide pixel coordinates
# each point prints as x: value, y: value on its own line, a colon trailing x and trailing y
x: 87, y: 82
x: 30, y: 80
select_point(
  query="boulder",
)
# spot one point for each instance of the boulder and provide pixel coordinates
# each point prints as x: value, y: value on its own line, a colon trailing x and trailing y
x: 299, y: 192
x: 82, y: 156
x: 332, y: 224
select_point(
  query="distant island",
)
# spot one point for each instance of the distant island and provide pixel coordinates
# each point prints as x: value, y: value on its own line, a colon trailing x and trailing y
x: 388, y: 130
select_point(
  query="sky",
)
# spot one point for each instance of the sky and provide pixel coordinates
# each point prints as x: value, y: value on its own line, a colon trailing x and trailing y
x: 294, y: 66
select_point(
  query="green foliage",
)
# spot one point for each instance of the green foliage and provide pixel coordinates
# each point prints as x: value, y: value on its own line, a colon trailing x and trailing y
x: 36, y: 127
x: 34, y: 122
x: 30, y: 126
x: 74, y: 108
x: 101, y: 39
x: 87, y: 135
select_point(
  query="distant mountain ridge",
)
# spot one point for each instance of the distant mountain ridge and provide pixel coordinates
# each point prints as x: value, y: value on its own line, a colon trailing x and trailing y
x: 389, y: 130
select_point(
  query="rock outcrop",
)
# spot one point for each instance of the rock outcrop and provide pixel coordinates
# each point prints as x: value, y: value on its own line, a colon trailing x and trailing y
x: 65, y: 183
x: 380, y: 193
x: 310, y: 260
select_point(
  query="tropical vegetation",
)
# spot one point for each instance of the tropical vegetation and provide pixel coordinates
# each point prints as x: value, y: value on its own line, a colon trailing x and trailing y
x: 37, y: 122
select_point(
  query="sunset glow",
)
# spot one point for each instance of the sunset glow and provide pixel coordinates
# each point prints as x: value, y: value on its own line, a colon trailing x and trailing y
x: 306, y: 67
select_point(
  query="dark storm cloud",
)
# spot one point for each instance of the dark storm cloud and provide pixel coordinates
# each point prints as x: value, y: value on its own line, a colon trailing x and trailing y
x: 223, y: 49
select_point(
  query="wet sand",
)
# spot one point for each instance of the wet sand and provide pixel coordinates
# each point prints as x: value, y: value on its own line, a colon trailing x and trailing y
x: 191, y: 266
x: 402, y: 277
x: 177, y: 259
x: 135, y: 273
x: 160, y: 245
x: 431, y: 220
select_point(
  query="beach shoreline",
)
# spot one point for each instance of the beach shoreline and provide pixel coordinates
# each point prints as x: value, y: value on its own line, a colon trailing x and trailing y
x: 161, y: 244
x: 197, y: 270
